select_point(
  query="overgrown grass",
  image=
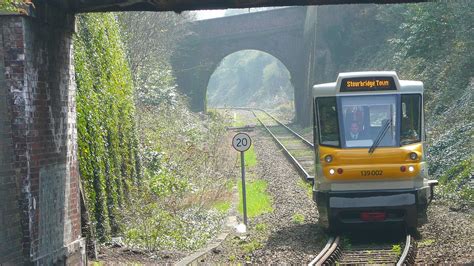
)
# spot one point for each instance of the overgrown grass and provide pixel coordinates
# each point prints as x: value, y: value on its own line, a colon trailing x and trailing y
x: 298, y: 218
x: 225, y: 203
x: 250, y: 157
x: 258, y: 200
x: 307, y: 187
x: 425, y: 243
x: 222, y: 206
x: 252, y: 246
x: 261, y: 227
x: 397, y: 249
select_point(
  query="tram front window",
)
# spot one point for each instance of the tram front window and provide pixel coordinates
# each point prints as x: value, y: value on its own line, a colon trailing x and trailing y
x: 363, y: 118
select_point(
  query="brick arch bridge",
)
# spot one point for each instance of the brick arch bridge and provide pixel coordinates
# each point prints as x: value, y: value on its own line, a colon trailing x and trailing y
x: 278, y: 32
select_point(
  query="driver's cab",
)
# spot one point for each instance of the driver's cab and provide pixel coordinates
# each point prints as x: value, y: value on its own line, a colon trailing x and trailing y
x: 365, y: 116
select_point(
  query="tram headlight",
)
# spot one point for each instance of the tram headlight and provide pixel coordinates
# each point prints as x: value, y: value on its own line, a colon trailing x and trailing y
x: 411, y: 168
x: 328, y: 158
x: 413, y: 156
x: 331, y: 171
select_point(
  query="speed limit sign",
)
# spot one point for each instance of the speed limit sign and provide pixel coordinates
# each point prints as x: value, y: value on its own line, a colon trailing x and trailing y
x: 241, y: 142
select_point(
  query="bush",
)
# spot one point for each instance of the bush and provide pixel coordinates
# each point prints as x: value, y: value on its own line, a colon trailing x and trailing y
x: 455, y: 187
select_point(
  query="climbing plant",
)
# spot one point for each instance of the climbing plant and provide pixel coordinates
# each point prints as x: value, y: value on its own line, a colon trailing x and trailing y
x: 108, y: 156
x: 15, y: 6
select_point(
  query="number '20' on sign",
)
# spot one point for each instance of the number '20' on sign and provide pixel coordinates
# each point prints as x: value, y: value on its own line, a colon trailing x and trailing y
x: 241, y: 142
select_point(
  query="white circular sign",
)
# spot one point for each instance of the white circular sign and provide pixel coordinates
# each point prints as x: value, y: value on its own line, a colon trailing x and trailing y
x: 241, y: 142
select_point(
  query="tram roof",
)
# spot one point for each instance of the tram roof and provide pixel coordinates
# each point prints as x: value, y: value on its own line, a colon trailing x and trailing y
x: 334, y: 88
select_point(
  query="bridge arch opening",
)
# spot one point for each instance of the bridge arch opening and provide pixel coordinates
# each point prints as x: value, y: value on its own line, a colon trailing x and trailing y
x: 251, y: 78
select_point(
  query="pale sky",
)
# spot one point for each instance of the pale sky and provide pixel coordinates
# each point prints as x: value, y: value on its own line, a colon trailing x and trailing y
x: 207, y: 14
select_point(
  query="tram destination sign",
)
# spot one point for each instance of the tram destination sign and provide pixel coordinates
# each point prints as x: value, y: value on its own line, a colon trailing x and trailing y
x: 368, y: 84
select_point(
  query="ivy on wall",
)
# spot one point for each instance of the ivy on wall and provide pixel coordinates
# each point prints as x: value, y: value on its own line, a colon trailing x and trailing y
x: 15, y: 6
x: 108, y: 154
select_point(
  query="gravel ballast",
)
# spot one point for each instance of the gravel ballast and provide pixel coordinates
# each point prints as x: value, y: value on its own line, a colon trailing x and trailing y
x: 290, y: 233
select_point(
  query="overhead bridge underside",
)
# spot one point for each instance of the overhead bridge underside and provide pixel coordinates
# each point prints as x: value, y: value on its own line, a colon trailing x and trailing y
x: 78, y: 6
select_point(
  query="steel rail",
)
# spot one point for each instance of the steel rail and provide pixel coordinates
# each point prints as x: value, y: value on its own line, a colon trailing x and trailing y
x: 406, y: 252
x: 311, y: 145
x: 332, y: 252
x: 308, y: 143
x: 299, y: 167
x: 327, y: 251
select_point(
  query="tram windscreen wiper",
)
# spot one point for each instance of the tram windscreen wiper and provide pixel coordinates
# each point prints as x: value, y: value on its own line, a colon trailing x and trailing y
x: 380, y: 136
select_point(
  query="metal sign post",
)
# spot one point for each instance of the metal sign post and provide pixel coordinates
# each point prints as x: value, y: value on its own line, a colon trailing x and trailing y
x: 244, y: 193
x: 242, y: 142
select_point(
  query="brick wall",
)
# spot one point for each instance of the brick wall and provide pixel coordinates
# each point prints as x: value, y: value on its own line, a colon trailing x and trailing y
x: 39, y: 180
x: 10, y: 229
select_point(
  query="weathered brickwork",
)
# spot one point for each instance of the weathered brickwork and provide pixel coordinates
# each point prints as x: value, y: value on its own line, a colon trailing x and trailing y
x: 39, y: 180
x: 10, y: 226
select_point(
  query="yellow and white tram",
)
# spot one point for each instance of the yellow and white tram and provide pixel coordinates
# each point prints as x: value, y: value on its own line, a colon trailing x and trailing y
x: 370, y: 161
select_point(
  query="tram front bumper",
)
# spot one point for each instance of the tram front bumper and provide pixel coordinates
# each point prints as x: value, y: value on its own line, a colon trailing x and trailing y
x: 406, y: 206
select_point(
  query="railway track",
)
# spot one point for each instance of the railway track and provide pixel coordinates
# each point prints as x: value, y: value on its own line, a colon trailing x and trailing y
x: 349, y: 250
x: 338, y: 252
x: 296, y: 148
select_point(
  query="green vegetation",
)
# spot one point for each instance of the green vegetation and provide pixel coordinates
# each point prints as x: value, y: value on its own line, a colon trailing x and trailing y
x: 155, y: 190
x: 425, y: 243
x: 298, y: 218
x: 184, y: 192
x: 397, y: 249
x: 250, y: 157
x: 261, y: 227
x: 185, y: 171
x: 109, y: 163
x: 307, y: 186
x: 258, y: 200
x: 222, y: 206
x: 454, y: 185
x: 15, y: 6
x: 225, y: 203
x: 251, y: 246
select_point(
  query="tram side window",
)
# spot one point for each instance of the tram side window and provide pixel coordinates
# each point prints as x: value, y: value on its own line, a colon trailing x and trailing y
x: 411, y: 119
x: 327, y: 118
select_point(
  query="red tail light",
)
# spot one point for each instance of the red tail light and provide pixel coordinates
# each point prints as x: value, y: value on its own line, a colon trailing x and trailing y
x: 403, y: 168
x: 372, y: 216
x: 339, y: 170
